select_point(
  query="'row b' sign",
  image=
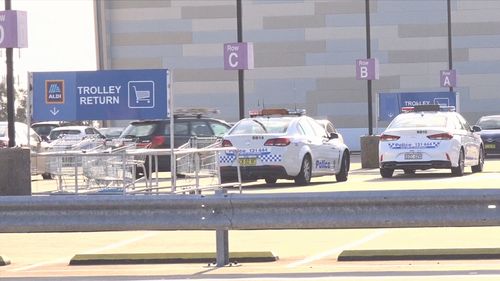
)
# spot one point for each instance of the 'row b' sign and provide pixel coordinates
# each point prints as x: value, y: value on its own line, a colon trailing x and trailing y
x: 13, y: 29
x: 367, y: 69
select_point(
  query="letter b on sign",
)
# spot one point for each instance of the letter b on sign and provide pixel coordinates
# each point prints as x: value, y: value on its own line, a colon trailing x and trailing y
x: 367, y: 69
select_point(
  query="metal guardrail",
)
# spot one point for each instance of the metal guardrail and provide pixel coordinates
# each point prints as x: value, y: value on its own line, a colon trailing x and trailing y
x: 223, y: 212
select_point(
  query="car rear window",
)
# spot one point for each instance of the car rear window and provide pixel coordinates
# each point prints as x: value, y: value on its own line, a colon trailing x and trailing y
x: 139, y: 130
x: 56, y: 134
x: 410, y: 120
x: 261, y: 126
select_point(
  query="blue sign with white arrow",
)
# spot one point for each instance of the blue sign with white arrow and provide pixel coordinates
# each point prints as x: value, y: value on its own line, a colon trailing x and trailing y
x: 390, y: 104
x: 100, y: 95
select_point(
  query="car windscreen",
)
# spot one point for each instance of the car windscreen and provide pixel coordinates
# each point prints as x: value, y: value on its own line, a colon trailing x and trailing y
x: 489, y: 123
x: 138, y: 130
x: 56, y: 134
x: 261, y: 126
x: 44, y: 130
x: 419, y: 120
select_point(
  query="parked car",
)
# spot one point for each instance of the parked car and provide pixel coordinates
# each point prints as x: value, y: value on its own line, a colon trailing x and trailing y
x: 111, y: 132
x: 34, y: 143
x: 72, y: 137
x: 155, y: 134
x: 490, y: 133
x: 425, y: 137
x: 21, y: 140
x: 280, y: 144
x: 43, y: 129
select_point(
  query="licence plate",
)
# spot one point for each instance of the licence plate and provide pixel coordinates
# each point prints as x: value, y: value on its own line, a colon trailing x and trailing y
x: 489, y: 146
x: 248, y: 161
x: 413, y: 156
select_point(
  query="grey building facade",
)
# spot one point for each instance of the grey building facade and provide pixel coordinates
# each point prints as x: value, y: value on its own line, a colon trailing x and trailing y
x: 305, y: 52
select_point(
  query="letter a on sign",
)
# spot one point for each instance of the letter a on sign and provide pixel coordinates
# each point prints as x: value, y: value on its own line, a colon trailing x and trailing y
x: 448, y: 78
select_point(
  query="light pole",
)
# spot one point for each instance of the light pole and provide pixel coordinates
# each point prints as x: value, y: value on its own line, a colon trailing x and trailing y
x: 10, y: 89
x: 241, y: 77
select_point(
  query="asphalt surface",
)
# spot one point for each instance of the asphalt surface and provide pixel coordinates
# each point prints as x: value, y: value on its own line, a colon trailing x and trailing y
x: 303, y: 254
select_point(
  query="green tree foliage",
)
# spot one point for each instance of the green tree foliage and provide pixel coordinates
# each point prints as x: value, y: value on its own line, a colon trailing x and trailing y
x: 20, y: 101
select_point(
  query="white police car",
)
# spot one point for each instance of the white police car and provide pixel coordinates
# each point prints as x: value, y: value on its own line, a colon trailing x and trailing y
x: 426, y: 137
x: 278, y: 144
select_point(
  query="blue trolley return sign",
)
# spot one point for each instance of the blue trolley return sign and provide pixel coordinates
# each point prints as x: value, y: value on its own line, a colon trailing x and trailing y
x: 100, y: 95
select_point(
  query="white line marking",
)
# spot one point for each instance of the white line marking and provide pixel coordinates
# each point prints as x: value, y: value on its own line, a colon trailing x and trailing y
x: 92, y: 251
x: 336, y: 251
x: 122, y: 243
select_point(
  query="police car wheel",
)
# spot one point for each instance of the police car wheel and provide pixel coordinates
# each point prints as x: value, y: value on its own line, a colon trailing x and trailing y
x: 271, y: 180
x: 459, y: 170
x: 47, y: 176
x: 344, y: 169
x: 304, y: 177
x: 386, y: 173
x: 480, y: 164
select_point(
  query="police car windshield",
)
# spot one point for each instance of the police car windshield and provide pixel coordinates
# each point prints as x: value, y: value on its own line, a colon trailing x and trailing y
x: 261, y: 126
x: 411, y: 120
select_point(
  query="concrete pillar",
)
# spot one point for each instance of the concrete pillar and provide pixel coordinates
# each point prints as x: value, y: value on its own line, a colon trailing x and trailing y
x: 15, y: 172
x: 369, y: 151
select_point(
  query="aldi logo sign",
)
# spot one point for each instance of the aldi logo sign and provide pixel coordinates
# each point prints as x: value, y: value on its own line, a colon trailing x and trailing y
x: 54, y: 91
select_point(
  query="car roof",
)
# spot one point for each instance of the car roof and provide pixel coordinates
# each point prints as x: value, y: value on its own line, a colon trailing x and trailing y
x: 178, y: 118
x: 490, y: 116
x: 71, y: 128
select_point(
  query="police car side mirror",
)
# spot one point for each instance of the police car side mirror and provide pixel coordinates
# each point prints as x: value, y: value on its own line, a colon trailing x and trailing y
x: 334, y: 136
x: 476, y: 129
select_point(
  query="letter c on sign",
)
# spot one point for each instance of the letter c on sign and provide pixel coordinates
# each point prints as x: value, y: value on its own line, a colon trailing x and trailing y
x: 2, y: 34
x: 233, y: 63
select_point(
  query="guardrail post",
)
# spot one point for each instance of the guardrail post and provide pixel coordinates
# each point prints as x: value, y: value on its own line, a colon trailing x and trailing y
x: 222, y: 239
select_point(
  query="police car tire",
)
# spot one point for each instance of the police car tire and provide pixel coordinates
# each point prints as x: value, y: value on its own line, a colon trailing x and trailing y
x: 480, y: 164
x: 344, y: 169
x: 459, y: 170
x: 271, y: 180
x: 47, y: 176
x: 386, y: 173
x: 409, y: 171
x: 304, y: 177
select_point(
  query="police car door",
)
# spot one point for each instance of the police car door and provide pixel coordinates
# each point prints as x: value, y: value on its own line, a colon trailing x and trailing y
x: 324, y: 154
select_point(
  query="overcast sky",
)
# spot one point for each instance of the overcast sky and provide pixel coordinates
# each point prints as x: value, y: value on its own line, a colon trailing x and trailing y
x: 61, y: 36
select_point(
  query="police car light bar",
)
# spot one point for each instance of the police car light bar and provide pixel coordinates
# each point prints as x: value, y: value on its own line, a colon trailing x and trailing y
x: 427, y: 107
x: 276, y: 111
x: 195, y: 111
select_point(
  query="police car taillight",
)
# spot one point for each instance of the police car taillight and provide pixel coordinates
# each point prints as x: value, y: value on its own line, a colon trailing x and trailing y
x: 440, y: 136
x: 385, y: 137
x: 226, y: 143
x: 277, y: 142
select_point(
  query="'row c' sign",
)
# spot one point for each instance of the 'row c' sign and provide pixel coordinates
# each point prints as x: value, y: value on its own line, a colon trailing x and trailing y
x: 13, y: 29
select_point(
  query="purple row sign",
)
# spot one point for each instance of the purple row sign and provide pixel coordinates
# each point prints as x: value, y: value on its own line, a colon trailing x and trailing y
x: 238, y: 56
x: 13, y: 29
x: 448, y: 78
x: 367, y: 69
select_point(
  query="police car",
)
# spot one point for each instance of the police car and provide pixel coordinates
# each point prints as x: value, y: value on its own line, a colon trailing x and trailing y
x: 432, y: 136
x: 280, y: 144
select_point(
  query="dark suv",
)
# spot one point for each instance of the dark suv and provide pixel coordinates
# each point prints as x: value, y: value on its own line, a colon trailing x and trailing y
x: 156, y: 133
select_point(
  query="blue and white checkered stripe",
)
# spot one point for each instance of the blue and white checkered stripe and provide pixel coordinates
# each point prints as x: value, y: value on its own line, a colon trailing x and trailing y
x: 270, y: 158
x: 227, y: 159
